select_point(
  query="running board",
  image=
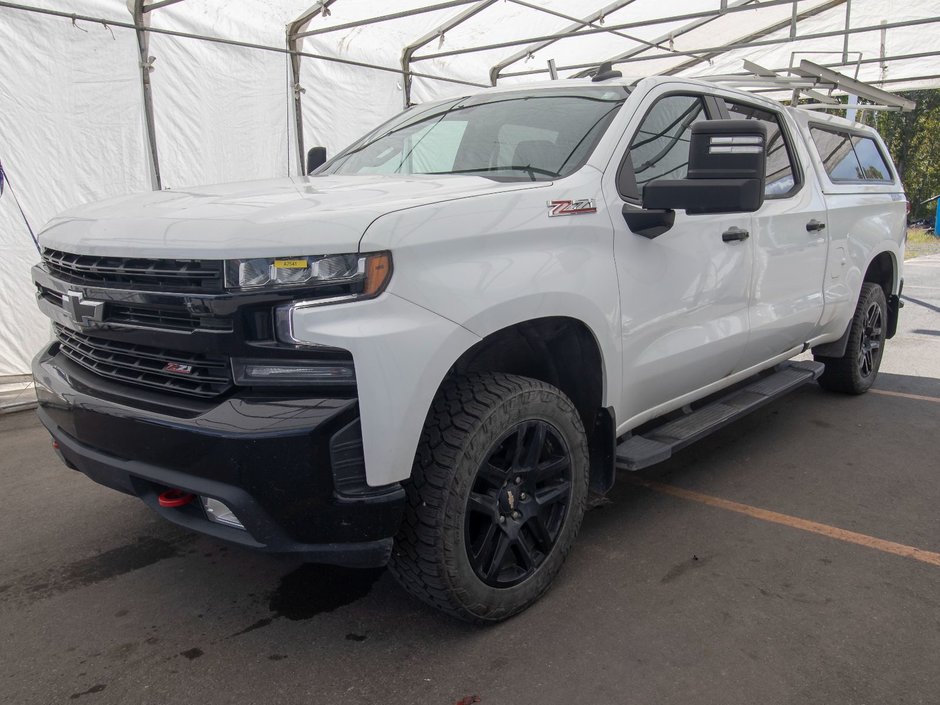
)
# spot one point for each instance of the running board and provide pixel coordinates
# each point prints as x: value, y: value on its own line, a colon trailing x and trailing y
x: 638, y: 452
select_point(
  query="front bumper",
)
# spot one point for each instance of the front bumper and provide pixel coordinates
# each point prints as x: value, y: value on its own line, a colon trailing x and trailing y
x: 291, y: 468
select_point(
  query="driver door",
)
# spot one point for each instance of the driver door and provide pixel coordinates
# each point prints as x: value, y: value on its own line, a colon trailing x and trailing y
x: 684, y: 293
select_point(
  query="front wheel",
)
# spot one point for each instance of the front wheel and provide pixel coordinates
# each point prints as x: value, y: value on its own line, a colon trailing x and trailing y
x: 496, y: 498
x: 855, y: 371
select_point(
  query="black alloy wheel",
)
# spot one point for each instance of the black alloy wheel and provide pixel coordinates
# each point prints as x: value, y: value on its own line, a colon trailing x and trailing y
x: 518, y: 503
x: 856, y: 370
x: 872, y: 338
x: 497, y: 494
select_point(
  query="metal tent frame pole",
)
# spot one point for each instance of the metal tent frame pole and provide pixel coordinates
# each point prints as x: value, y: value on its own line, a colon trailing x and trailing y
x: 685, y: 29
x: 613, y: 28
x: 745, y: 45
x: 297, y: 91
x: 438, y: 31
x: 140, y: 11
x: 567, y: 31
x: 763, y: 32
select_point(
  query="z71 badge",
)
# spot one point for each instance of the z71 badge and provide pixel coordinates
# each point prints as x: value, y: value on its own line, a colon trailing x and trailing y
x: 577, y: 207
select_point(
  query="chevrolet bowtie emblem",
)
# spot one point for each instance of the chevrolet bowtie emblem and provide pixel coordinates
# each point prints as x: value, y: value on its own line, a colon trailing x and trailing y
x: 83, y: 311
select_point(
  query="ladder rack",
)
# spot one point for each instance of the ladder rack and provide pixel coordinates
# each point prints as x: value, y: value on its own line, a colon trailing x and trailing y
x: 811, y: 80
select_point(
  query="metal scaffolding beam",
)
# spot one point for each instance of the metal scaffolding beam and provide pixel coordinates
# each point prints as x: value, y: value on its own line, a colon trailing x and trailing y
x: 567, y: 31
x: 297, y: 91
x: 685, y: 29
x: 438, y: 31
x: 748, y: 45
x: 386, y: 18
x: 617, y: 27
x: 763, y: 32
x: 145, y: 62
x: 161, y: 3
x: 597, y: 24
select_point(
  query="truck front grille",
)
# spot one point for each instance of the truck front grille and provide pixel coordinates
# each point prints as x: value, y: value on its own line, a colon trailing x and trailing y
x: 136, y: 273
x: 174, y: 371
x: 176, y: 317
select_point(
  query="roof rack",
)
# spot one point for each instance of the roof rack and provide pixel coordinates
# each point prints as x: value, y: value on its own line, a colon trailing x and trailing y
x: 810, y: 80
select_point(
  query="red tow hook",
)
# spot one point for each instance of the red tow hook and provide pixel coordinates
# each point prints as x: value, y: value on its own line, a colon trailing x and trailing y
x: 175, y: 498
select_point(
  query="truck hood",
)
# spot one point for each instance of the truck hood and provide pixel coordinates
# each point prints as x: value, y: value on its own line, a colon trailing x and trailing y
x: 291, y: 216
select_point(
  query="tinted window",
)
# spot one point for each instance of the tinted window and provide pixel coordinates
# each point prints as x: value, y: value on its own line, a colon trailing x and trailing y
x: 869, y: 157
x: 849, y: 157
x: 779, y: 170
x: 660, y: 148
x: 534, y: 136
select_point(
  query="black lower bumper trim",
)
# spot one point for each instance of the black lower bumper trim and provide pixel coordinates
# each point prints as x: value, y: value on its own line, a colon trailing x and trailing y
x: 147, y: 481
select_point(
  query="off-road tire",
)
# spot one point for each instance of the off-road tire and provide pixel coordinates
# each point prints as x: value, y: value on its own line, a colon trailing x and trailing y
x: 856, y: 370
x: 468, y: 419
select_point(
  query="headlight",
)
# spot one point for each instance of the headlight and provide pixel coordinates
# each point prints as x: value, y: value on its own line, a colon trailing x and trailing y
x: 357, y: 276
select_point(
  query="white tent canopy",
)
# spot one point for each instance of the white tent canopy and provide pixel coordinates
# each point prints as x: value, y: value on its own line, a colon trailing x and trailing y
x: 231, y: 82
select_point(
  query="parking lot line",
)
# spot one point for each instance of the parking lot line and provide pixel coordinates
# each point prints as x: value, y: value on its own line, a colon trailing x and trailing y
x: 834, y: 532
x: 918, y: 397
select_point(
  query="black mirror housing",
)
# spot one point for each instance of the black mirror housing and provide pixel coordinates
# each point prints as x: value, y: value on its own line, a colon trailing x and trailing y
x: 316, y: 157
x: 697, y: 196
x: 726, y: 171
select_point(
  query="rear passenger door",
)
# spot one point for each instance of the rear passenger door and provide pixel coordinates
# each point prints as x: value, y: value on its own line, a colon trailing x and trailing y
x: 789, y: 238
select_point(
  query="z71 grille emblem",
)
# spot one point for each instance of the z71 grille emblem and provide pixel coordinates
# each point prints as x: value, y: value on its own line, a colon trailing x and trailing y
x: 82, y: 311
x: 576, y: 207
x: 178, y: 367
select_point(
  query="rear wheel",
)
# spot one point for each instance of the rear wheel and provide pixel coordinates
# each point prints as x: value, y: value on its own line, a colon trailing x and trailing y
x: 855, y: 371
x: 496, y: 498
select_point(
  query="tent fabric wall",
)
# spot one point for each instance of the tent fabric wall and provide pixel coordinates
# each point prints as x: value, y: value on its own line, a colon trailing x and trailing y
x: 70, y: 132
x: 71, y: 117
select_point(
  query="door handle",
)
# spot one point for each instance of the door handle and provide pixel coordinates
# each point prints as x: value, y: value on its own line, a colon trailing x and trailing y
x: 735, y: 233
x: 815, y: 226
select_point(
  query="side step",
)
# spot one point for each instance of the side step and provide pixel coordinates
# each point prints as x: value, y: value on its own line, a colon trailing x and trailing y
x: 638, y: 452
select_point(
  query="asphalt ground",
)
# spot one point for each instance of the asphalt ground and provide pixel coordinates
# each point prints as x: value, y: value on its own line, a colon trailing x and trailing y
x: 793, y: 557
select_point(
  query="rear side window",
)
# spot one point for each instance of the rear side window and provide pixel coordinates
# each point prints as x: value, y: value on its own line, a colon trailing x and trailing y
x: 660, y: 148
x: 850, y: 158
x: 779, y: 169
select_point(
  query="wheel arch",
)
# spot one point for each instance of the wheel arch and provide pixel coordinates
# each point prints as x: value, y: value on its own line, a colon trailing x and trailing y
x: 883, y: 270
x: 564, y: 352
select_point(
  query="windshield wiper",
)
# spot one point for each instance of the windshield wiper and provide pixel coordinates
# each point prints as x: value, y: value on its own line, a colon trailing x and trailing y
x: 530, y: 170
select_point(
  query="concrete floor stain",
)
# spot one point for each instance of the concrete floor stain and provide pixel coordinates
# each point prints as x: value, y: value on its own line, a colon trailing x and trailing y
x: 314, y: 589
x: 97, y: 688
x: 256, y: 625
x: 142, y: 552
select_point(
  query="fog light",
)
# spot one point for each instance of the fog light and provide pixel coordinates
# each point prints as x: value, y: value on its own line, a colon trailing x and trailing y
x: 220, y: 513
x: 274, y: 373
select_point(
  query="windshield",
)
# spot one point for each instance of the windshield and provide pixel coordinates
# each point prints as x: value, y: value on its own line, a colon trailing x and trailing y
x: 535, y: 136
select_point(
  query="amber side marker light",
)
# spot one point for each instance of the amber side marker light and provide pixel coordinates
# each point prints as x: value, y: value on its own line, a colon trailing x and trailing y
x: 378, y: 272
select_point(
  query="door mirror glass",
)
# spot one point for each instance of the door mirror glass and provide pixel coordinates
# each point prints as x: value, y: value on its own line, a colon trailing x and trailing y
x: 316, y: 157
x: 727, y: 160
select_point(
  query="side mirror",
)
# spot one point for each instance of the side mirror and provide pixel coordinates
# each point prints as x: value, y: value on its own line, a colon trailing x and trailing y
x: 726, y: 171
x: 316, y: 157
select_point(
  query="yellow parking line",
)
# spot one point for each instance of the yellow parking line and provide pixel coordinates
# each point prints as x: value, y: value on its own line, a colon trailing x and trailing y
x: 918, y: 397
x: 833, y: 532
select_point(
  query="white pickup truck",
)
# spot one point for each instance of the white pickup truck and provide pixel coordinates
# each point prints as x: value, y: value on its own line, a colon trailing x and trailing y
x: 434, y: 348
